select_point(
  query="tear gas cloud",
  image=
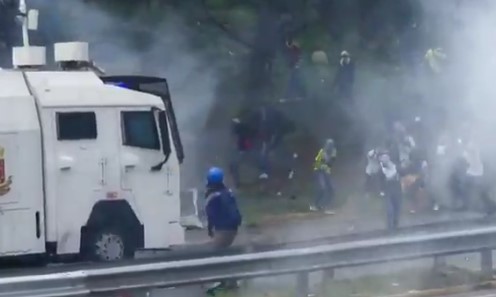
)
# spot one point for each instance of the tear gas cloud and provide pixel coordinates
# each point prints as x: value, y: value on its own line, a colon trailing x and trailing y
x: 464, y: 91
x: 469, y: 39
x: 464, y: 29
x: 117, y: 45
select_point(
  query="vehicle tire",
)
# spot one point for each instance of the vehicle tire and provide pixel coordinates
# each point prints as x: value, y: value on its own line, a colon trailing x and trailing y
x: 110, y: 244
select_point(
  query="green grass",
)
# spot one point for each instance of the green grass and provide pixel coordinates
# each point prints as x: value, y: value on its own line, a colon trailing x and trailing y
x: 259, y: 206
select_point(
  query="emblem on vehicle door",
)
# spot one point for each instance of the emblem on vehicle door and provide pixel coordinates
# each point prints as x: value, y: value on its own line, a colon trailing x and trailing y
x: 5, y: 181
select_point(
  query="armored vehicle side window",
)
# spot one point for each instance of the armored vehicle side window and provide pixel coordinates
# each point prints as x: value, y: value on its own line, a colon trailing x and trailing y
x: 76, y: 125
x: 139, y: 129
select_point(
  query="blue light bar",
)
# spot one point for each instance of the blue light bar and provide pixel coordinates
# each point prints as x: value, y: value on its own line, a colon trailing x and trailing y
x: 120, y: 84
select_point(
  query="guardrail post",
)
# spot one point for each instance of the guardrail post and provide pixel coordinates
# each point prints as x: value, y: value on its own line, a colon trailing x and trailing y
x: 327, y: 275
x: 487, y: 263
x: 439, y: 263
x: 302, y: 289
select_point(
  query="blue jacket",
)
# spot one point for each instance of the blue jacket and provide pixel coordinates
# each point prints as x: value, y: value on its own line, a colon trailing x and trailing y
x: 222, y: 210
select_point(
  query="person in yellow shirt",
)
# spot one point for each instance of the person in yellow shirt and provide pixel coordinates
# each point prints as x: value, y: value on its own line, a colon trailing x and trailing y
x: 322, y: 170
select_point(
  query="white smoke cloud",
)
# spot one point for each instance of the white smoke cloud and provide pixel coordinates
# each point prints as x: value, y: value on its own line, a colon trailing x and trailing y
x: 126, y: 46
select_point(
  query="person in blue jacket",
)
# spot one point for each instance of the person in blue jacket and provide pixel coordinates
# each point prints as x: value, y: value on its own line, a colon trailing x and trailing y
x: 223, y: 216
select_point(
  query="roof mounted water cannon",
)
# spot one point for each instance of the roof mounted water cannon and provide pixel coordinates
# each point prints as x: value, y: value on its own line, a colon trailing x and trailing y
x: 75, y: 56
x: 28, y: 56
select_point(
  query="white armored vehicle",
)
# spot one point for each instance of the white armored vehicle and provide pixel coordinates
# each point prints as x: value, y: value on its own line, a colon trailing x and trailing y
x: 89, y: 165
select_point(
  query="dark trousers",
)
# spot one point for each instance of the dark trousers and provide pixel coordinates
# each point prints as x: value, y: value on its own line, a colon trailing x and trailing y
x: 459, y: 190
x: 223, y: 239
x: 296, y: 87
x: 372, y: 182
x: 344, y: 91
x: 477, y: 187
x: 325, y: 190
x: 393, y: 210
x: 393, y: 201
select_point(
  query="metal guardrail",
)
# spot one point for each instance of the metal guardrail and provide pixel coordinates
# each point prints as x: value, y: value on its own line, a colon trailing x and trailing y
x: 293, y: 261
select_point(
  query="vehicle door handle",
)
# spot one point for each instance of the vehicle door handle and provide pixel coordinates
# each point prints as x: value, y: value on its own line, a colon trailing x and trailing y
x: 130, y: 161
x: 65, y: 162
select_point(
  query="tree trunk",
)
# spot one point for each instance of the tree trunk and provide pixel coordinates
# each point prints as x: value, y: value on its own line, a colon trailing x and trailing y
x: 259, y: 85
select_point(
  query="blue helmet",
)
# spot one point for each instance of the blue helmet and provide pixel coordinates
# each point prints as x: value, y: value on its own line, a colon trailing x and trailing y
x: 215, y: 175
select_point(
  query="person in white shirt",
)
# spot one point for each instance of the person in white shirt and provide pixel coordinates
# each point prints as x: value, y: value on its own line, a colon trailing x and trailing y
x: 372, y: 172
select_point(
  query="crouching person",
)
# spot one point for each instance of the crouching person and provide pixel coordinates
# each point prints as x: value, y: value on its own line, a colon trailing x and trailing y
x: 223, y: 216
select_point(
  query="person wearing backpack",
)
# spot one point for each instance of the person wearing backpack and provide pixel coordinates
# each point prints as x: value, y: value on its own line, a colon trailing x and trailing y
x: 223, y: 217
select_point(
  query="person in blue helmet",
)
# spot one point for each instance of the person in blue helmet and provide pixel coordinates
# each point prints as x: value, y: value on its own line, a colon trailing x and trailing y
x: 223, y: 216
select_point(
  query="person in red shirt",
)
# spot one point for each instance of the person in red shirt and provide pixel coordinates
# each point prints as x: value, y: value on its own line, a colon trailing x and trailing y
x: 294, y: 54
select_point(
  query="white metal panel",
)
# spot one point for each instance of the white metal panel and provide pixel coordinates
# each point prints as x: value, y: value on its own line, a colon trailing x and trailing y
x: 82, y: 173
x: 18, y: 114
x: 77, y: 180
x: 85, y: 88
x: 15, y: 82
x: 20, y: 141
x: 50, y: 170
x: 99, y: 96
x: 43, y: 80
x: 20, y: 160
x: 155, y: 196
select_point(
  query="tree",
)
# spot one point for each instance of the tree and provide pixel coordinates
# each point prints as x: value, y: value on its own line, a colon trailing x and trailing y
x: 8, y: 11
